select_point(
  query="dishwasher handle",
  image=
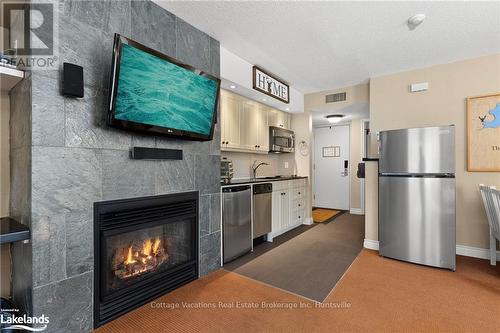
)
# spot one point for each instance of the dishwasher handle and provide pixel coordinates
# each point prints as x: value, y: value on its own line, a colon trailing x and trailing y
x: 234, y: 189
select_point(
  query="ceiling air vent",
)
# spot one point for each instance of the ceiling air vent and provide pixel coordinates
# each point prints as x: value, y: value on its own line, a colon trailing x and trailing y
x: 338, y: 97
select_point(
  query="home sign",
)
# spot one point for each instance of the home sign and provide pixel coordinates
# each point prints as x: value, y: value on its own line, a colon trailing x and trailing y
x: 269, y: 85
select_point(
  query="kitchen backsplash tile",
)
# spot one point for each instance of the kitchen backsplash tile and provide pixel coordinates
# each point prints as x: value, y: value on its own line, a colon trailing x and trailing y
x: 242, y: 164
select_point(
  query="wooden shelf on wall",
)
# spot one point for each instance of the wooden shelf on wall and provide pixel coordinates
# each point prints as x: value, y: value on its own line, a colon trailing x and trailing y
x: 9, y: 77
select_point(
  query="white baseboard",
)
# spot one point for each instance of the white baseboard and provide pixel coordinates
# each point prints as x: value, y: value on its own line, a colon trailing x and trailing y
x: 308, y: 221
x: 475, y: 252
x: 370, y: 244
x: 356, y: 211
x: 462, y: 250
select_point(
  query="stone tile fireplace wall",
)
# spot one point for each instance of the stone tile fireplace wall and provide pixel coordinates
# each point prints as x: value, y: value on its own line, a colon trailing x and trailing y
x: 64, y: 158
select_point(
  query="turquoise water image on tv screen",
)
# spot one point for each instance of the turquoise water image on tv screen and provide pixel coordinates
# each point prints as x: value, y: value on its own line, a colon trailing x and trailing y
x: 154, y: 91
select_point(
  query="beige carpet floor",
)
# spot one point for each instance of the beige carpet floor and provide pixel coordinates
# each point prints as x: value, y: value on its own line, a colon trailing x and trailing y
x: 376, y: 295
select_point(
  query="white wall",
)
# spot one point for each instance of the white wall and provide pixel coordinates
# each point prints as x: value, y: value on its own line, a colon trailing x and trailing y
x: 355, y: 158
x: 239, y: 71
x: 302, y: 126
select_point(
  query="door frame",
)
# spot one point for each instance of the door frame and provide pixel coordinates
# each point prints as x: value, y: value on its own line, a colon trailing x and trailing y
x: 313, y: 157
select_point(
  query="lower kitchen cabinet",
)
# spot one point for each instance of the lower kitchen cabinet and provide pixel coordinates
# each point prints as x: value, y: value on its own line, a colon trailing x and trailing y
x: 288, y: 204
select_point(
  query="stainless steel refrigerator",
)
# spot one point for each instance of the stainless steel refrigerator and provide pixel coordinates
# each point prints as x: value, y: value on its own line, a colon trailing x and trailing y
x: 417, y: 195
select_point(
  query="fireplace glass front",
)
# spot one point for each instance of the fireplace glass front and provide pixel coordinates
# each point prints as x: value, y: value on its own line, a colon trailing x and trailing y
x: 134, y: 255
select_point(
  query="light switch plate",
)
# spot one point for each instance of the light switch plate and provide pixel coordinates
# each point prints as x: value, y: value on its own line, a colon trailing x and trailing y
x: 286, y: 165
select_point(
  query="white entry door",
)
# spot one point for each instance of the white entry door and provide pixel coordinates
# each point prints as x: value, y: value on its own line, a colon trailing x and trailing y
x: 331, y: 167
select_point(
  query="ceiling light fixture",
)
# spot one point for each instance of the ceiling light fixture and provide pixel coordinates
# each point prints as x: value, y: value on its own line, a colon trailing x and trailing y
x: 415, y: 21
x: 287, y: 109
x: 263, y: 100
x: 335, y: 118
x: 232, y: 86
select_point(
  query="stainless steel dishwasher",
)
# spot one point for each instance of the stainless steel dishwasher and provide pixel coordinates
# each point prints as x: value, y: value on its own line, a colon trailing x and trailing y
x: 262, y: 209
x: 236, y: 221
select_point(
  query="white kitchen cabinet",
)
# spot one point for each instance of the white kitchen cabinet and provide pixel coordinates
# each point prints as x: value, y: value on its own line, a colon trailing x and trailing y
x: 297, y: 201
x: 281, y: 211
x: 230, y: 120
x: 278, y: 118
x: 253, y: 130
x: 261, y: 129
x: 245, y: 124
x: 277, y: 198
x: 288, y: 205
x: 247, y: 132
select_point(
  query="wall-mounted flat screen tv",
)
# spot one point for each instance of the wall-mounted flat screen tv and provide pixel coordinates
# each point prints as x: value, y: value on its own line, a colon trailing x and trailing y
x: 153, y: 93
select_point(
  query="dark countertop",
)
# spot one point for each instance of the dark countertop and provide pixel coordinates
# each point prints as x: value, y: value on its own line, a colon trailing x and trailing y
x: 12, y: 231
x: 260, y: 180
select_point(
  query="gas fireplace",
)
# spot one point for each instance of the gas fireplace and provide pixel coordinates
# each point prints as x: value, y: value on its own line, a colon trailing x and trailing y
x: 144, y: 247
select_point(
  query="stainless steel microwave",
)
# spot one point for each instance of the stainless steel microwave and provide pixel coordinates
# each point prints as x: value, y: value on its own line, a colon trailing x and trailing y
x: 281, y: 140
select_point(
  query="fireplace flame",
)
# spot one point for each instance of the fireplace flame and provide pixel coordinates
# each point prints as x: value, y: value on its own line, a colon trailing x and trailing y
x: 129, y: 259
x: 156, y: 246
x: 140, y: 259
x: 146, y: 249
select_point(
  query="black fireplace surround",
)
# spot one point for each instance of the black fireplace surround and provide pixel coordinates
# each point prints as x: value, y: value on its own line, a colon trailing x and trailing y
x: 143, y: 248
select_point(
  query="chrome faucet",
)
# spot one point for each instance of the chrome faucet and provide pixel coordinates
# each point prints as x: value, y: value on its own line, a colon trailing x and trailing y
x: 254, y: 168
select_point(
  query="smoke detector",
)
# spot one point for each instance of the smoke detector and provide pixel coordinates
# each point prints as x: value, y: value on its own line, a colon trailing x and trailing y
x: 415, y: 21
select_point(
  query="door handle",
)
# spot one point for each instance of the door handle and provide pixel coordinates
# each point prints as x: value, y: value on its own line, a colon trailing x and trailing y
x: 345, y: 173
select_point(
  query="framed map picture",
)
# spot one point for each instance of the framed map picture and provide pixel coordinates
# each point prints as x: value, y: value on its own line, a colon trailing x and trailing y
x: 483, y: 133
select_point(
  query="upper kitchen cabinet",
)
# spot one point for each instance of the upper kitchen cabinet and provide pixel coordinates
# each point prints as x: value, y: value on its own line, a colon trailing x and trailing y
x: 248, y: 125
x: 254, y: 127
x: 230, y: 120
x: 245, y: 123
x: 262, y: 128
x: 278, y: 118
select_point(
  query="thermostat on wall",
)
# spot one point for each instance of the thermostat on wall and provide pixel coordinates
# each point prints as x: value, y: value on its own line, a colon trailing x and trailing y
x: 416, y: 87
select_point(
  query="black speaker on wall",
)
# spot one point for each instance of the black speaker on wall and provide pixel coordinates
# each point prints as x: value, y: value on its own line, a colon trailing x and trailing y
x: 143, y: 153
x: 72, y: 80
